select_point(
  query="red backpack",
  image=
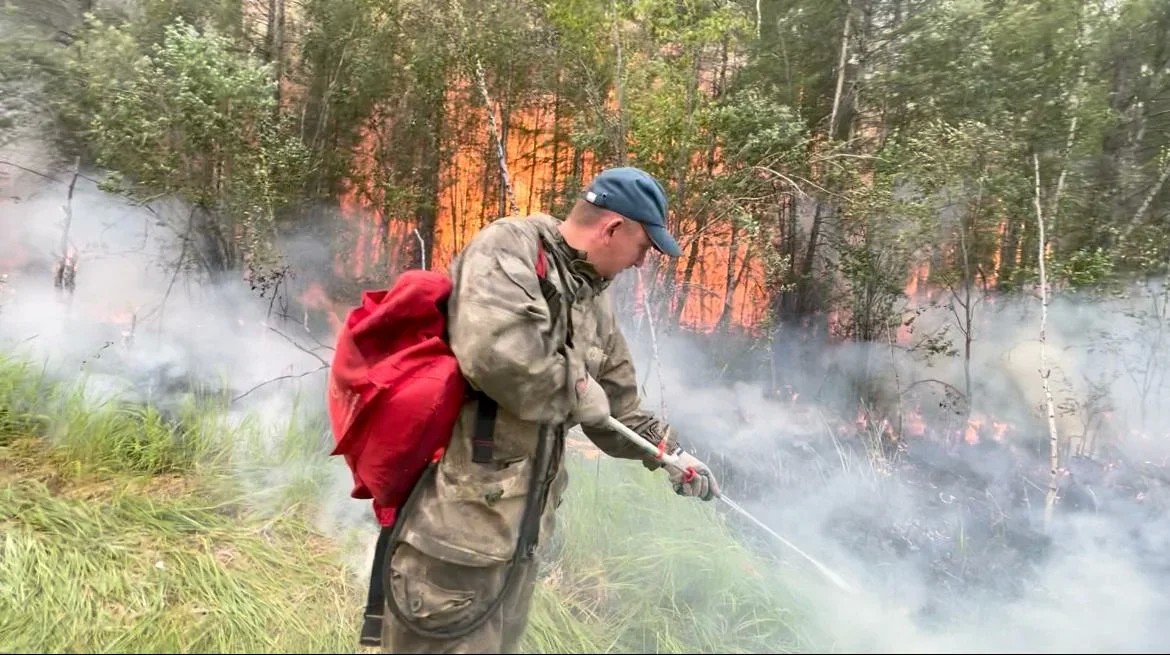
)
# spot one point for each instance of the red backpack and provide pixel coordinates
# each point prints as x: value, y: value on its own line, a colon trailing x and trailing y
x: 395, y: 389
x: 394, y: 393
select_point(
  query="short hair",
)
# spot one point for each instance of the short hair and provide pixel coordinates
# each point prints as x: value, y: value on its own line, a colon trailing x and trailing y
x: 585, y: 213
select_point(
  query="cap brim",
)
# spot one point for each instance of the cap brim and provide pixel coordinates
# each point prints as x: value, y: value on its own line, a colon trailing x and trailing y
x: 662, y: 240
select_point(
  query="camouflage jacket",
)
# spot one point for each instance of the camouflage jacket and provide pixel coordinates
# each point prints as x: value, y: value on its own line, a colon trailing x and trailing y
x: 516, y: 347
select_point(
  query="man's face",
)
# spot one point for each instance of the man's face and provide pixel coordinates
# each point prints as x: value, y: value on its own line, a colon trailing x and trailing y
x: 622, y: 244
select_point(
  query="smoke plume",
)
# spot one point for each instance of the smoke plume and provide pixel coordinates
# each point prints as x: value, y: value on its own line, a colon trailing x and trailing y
x: 942, y: 530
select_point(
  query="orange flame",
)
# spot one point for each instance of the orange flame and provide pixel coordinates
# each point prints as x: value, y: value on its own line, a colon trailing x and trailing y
x: 997, y: 254
x: 539, y: 167
x: 977, y: 430
x: 314, y: 297
x: 706, y: 296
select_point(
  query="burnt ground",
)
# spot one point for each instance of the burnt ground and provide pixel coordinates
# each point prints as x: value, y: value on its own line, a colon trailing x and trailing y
x: 966, y: 519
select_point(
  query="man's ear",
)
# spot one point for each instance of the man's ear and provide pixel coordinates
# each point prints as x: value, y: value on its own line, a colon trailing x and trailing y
x: 611, y: 226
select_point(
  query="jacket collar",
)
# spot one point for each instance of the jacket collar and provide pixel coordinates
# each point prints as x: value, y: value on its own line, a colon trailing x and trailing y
x: 581, y: 273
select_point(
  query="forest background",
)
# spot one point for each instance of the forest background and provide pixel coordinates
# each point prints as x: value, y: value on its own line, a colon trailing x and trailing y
x: 924, y: 241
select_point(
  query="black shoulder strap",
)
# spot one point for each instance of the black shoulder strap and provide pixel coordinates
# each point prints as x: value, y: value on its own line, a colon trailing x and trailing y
x: 371, y: 634
x: 483, y: 438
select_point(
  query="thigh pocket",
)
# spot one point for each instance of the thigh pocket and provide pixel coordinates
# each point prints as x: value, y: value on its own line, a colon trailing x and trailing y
x: 474, y: 517
x: 434, y: 594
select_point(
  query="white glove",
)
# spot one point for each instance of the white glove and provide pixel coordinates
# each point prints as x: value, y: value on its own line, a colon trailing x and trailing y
x: 691, y: 477
x: 592, y: 404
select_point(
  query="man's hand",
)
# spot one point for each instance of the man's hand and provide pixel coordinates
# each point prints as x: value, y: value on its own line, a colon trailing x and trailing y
x: 691, y: 477
x: 592, y: 404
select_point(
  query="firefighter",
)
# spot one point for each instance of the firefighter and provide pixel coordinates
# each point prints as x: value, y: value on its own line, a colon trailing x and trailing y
x: 542, y: 353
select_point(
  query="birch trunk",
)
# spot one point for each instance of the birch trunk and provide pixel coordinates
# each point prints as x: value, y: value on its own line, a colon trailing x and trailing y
x: 1053, y: 437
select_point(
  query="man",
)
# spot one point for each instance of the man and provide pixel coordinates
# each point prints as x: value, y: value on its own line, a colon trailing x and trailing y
x: 532, y: 328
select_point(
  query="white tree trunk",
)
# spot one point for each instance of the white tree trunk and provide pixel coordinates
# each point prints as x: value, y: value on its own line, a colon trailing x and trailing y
x: 481, y: 81
x: 842, y: 60
x: 1053, y: 436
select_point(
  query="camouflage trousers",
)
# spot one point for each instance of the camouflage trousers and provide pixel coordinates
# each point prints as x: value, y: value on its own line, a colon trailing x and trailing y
x: 437, y: 595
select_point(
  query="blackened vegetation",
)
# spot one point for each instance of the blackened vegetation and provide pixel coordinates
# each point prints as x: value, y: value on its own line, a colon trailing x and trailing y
x: 964, y: 519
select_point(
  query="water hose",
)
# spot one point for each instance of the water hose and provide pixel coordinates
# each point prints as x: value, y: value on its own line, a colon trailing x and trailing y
x: 670, y: 459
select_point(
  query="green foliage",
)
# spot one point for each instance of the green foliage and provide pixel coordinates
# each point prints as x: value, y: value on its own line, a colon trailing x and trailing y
x: 755, y: 129
x: 881, y: 236
x: 731, y: 104
x: 795, y: 58
x: 352, y: 59
x: 155, y: 17
x: 192, y: 117
x: 1085, y: 269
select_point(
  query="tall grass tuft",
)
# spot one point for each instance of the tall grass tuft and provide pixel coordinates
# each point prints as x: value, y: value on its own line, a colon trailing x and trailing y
x: 636, y: 568
x: 105, y: 432
x: 143, y: 574
x: 22, y: 410
x: 118, y: 533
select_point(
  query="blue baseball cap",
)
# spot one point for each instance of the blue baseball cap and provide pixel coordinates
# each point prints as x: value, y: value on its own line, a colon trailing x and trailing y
x: 634, y: 194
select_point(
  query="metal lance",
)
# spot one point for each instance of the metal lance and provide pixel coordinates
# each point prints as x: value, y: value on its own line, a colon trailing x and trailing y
x: 665, y: 458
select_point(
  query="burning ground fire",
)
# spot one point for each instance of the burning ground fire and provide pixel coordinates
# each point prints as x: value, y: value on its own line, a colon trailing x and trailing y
x: 977, y: 428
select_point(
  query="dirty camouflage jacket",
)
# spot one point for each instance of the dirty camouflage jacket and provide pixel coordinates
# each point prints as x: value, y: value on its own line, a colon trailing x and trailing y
x: 512, y: 345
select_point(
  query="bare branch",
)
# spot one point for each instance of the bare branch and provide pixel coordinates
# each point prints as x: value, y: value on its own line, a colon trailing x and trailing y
x: 282, y: 377
x: 300, y: 347
x: 790, y: 181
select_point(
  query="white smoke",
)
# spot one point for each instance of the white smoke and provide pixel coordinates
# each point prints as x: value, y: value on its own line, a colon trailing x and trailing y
x: 944, y: 538
x: 144, y: 323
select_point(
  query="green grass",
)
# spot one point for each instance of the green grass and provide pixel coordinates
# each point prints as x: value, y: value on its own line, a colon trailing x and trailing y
x: 132, y: 572
x: 638, y: 569
x: 104, y: 432
x: 123, y: 528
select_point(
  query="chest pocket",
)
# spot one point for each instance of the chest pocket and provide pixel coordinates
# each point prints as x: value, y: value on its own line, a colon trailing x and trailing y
x: 589, y: 341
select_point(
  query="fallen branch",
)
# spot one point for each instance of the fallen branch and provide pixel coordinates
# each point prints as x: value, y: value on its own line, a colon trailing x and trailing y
x: 282, y: 377
x: 958, y: 392
x: 5, y: 162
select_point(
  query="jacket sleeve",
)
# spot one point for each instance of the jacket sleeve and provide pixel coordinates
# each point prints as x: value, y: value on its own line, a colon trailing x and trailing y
x: 619, y: 380
x: 501, y: 330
